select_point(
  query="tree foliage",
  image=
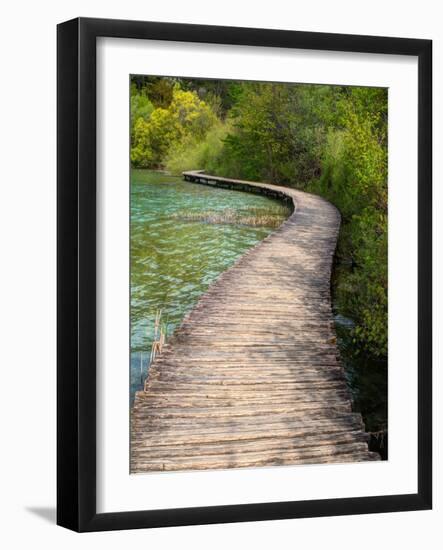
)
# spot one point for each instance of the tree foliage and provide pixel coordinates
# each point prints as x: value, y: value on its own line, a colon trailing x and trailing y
x: 187, y: 116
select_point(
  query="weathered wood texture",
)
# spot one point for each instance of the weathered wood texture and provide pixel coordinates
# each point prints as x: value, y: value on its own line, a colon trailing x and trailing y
x: 252, y: 377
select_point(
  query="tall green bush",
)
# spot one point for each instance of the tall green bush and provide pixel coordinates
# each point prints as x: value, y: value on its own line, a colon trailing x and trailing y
x: 186, y: 118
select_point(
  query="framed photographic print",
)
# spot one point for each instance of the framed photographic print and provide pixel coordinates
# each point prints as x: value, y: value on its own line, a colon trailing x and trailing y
x: 244, y: 274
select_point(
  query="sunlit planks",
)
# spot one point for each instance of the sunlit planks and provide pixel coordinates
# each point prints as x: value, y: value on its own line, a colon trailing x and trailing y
x: 252, y: 377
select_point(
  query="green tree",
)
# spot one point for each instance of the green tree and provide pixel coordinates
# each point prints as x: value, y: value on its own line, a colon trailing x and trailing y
x: 186, y: 117
x: 141, y: 108
x: 354, y: 177
x: 275, y: 136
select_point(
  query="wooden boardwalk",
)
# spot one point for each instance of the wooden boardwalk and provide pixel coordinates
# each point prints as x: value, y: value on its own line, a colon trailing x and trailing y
x: 252, y: 377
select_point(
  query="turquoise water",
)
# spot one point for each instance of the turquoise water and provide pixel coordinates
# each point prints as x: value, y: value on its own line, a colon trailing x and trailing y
x: 174, y: 260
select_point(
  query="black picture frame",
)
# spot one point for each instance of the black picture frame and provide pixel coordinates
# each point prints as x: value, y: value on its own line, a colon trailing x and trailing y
x: 76, y: 265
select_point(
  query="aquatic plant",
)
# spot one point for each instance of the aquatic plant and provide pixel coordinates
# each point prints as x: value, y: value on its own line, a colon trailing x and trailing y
x: 254, y: 217
x: 159, y: 338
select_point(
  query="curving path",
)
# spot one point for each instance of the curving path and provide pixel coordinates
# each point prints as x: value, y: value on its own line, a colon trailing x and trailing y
x: 253, y: 377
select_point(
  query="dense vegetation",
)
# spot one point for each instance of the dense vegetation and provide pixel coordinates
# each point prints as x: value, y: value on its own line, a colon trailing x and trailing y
x: 330, y: 140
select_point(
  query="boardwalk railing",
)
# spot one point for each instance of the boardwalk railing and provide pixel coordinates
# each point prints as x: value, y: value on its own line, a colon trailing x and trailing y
x: 252, y: 377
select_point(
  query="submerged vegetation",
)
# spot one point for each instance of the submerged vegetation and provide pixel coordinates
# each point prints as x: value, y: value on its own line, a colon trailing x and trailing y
x: 329, y: 140
x: 254, y: 217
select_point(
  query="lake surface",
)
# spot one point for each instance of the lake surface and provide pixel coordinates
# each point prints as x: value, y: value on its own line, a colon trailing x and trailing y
x: 173, y: 259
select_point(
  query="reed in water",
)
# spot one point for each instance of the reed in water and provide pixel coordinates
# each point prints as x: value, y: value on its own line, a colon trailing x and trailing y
x: 159, y: 336
x: 254, y: 217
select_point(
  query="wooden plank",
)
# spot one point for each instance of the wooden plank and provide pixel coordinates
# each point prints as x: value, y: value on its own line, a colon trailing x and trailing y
x: 166, y: 451
x: 313, y: 455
